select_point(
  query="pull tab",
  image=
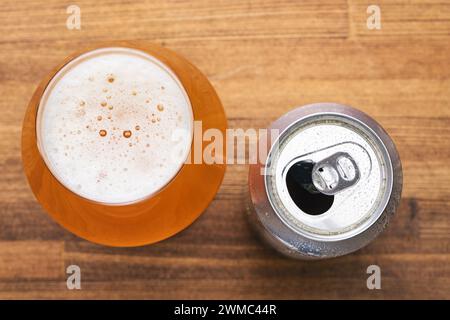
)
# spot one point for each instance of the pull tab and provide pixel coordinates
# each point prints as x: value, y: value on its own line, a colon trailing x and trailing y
x: 335, y: 173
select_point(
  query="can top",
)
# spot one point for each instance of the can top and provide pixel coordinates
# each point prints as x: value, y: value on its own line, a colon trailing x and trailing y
x: 329, y: 176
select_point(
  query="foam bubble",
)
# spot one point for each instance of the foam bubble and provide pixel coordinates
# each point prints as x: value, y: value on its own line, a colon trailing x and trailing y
x: 109, y: 110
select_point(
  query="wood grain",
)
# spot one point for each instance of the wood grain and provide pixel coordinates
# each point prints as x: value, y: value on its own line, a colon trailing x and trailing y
x: 263, y: 58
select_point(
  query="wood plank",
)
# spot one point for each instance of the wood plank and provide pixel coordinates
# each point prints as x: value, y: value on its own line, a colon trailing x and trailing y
x: 399, y: 274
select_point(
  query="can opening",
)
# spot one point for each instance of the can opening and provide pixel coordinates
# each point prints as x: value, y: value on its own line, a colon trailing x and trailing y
x: 303, y: 192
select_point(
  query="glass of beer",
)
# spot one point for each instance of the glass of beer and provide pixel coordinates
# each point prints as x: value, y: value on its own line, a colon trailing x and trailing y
x: 106, y: 140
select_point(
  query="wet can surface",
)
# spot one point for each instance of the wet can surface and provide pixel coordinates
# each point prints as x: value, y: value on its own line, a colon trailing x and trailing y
x: 329, y: 184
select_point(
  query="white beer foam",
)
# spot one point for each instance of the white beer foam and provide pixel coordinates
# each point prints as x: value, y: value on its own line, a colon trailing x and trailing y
x: 88, y: 112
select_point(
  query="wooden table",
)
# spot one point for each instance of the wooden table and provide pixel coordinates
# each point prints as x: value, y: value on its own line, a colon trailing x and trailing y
x: 264, y: 58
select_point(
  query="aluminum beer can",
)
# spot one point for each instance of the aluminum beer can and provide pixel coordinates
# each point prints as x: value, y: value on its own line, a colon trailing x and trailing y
x: 329, y: 184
